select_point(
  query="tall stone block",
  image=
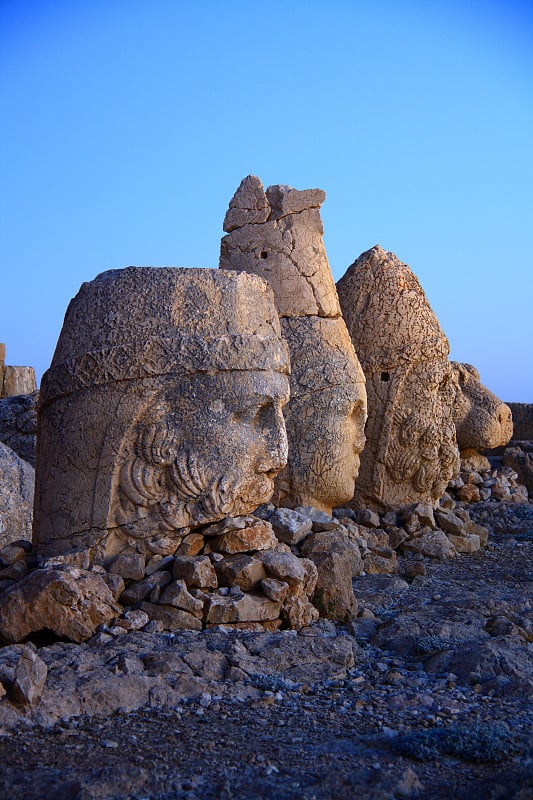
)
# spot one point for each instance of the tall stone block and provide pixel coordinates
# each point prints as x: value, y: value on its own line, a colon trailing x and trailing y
x: 277, y: 234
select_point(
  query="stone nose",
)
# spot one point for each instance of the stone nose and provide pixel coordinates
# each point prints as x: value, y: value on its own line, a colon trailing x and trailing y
x: 277, y: 449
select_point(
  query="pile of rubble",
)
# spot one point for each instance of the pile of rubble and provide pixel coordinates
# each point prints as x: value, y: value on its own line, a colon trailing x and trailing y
x: 494, y: 483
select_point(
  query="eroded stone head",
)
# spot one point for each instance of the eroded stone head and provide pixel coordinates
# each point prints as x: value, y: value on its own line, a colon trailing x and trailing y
x: 482, y: 420
x: 277, y: 234
x: 161, y: 410
x: 325, y: 417
x: 411, y: 450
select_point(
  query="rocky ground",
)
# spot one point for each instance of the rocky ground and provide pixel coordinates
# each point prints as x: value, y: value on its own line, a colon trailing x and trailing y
x: 426, y: 694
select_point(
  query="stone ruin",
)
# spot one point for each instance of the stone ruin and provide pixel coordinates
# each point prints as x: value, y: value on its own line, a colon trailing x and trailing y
x: 277, y: 234
x: 162, y: 440
x: 411, y: 452
x: 15, y: 380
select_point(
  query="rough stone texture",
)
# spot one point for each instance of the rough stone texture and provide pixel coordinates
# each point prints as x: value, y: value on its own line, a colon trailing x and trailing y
x: 241, y: 608
x: 69, y: 602
x: 519, y: 457
x: 337, y: 560
x: 482, y: 420
x: 258, y: 536
x: 245, y: 571
x: 29, y: 678
x: 522, y: 414
x: 161, y: 410
x: 411, y: 451
x: 17, y: 479
x: 277, y: 234
x: 18, y: 425
x: 16, y: 380
x: 197, y: 571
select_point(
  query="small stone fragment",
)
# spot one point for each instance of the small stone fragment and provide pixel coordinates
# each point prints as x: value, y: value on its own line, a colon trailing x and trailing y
x: 274, y: 589
x: 191, y: 545
x: 285, y: 567
x: 171, y: 618
x: 176, y: 594
x: 290, y: 526
x: 197, y: 571
x: 30, y: 677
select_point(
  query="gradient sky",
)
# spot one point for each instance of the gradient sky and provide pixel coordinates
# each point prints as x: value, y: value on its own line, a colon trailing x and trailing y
x: 127, y: 126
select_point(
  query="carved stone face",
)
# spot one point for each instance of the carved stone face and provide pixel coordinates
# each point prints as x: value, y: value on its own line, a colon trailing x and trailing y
x: 203, y: 448
x: 326, y: 436
x: 161, y: 410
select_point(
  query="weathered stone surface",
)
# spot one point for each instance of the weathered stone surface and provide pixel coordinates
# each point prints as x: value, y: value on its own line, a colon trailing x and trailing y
x: 16, y: 381
x: 274, y: 589
x: 128, y: 565
x: 197, y: 571
x: 248, y: 607
x: 244, y: 570
x: 450, y: 522
x: 176, y: 594
x: 519, y: 456
x: 285, y: 567
x: 411, y: 451
x: 325, y: 416
x: 69, y: 602
x: 172, y: 618
x: 522, y: 414
x: 290, y: 526
x: 141, y: 589
x: 30, y: 677
x: 191, y: 545
x: 298, y: 612
x: 467, y: 543
x: 434, y: 544
x: 482, y: 420
x: 283, y: 245
x: 337, y: 560
x: 327, y: 411
x: 16, y: 496
x: 257, y: 536
x: 182, y: 375
x: 18, y: 425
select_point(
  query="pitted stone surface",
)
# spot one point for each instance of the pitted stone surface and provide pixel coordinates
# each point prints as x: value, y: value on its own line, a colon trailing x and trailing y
x: 17, y: 479
x: 482, y: 420
x: 411, y: 451
x: 161, y: 410
x: 18, y: 425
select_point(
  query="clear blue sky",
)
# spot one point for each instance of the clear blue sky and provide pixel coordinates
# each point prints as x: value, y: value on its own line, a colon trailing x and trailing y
x: 127, y: 125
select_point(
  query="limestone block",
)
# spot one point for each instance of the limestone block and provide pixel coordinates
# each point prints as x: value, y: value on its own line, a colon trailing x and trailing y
x: 197, y: 571
x: 18, y: 425
x: 17, y: 479
x: 70, y: 602
x: 161, y: 411
x: 177, y: 594
x: 241, y: 608
x: 482, y: 420
x: 141, y: 589
x: 191, y: 545
x: 283, y: 244
x: 337, y: 560
x: 244, y: 570
x: 298, y: 612
x: 17, y: 380
x: 274, y: 589
x: 30, y: 677
x: 172, y: 618
x: 411, y: 451
x: 449, y: 522
x: 434, y: 544
x: 128, y: 565
x: 257, y: 536
x: 290, y: 526
x: 284, y: 567
x: 468, y: 543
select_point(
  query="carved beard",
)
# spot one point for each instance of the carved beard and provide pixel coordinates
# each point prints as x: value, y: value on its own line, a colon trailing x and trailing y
x: 424, y: 454
x: 166, y: 487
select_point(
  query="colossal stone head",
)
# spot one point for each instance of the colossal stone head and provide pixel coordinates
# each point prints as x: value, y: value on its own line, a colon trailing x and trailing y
x: 482, y: 420
x: 277, y: 234
x: 411, y: 450
x: 161, y: 410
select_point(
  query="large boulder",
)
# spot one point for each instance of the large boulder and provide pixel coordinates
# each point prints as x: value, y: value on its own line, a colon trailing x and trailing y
x: 70, y: 603
x: 17, y: 480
